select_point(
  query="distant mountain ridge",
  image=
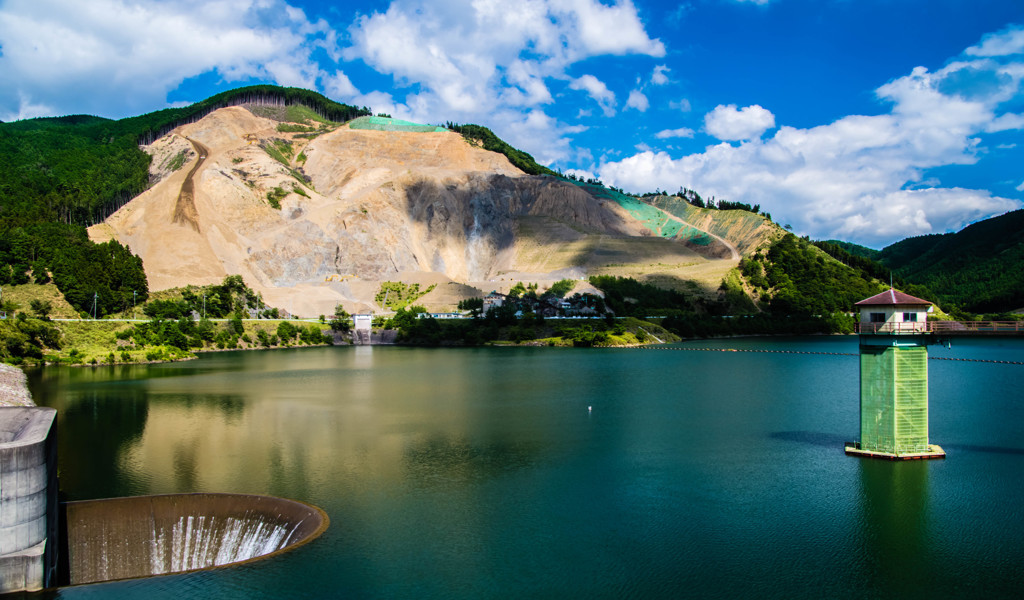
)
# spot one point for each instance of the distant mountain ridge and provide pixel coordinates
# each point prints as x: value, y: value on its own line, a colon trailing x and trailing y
x: 979, y: 268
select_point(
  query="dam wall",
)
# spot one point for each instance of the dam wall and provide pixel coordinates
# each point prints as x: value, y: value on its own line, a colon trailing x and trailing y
x: 124, y: 538
x: 28, y: 498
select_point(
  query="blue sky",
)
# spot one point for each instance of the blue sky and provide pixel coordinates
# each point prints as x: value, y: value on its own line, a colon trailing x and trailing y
x: 863, y: 120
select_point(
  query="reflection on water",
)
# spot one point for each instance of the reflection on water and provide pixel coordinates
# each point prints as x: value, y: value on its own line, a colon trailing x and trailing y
x: 896, y: 505
x: 482, y: 473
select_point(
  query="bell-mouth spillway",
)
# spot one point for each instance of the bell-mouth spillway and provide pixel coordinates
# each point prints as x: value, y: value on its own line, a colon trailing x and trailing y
x: 145, y: 536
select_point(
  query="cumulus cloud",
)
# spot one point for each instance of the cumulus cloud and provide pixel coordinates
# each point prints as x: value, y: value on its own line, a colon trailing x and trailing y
x: 597, y: 90
x: 682, y: 132
x: 727, y: 123
x: 1003, y: 43
x: 471, y: 60
x: 637, y: 100
x: 859, y: 177
x: 340, y: 87
x: 119, y: 57
x: 1005, y: 123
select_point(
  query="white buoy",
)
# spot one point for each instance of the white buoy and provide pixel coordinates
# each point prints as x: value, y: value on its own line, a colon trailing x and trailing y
x: 590, y: 408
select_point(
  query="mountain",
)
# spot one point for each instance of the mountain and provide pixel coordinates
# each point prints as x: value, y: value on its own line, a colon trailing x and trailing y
x: 978, y: 269
x: 314, y: 212
x: 316, y: 204
x: 854, y: 249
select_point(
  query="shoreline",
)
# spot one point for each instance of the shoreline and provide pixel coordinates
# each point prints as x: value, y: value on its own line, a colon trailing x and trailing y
x: 14, y: 387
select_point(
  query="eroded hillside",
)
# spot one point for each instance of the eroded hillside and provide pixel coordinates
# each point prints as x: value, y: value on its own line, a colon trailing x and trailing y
x: 317, y: 213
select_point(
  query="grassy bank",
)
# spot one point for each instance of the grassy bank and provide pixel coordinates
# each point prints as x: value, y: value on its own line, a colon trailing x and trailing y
x: 111, y: 342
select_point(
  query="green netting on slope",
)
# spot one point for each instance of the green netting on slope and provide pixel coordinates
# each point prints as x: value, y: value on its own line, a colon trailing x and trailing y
x: 389, y: 124
x: 736, y: 225
x: 652, y: 218
x: 671, y: 228
x: 695, y: 236
x: 894, y: 399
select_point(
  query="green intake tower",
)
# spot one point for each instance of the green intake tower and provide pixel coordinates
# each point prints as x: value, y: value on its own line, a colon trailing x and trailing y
x: 894, y: 338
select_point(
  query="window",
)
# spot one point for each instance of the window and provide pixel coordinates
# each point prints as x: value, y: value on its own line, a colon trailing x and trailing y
x: 910, y: 317
x: 878, y: 317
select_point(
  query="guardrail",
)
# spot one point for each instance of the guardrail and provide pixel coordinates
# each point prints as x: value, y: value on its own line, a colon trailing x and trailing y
x: 943, y: 327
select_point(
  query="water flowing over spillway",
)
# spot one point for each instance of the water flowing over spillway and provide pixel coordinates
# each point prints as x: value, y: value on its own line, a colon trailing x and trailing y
x: 124, y: 538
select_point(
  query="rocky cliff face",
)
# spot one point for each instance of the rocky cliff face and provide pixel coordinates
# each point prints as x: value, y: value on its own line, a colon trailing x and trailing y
x: 355, y: 205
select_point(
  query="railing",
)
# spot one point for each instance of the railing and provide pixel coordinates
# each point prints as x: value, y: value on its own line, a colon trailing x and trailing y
x: 943, y: 327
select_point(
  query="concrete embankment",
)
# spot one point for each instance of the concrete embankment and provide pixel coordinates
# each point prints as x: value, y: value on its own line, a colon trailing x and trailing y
x: 28, y: 498
x: 14, y: 387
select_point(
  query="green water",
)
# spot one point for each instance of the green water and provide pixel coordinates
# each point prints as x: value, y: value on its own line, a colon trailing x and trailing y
x: 536, y: 472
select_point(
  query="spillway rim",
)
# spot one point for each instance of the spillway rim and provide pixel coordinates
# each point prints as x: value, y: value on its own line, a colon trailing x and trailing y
x: 325, y: 522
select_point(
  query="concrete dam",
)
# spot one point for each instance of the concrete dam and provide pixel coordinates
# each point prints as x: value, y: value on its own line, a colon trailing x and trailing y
x: 125, y: 538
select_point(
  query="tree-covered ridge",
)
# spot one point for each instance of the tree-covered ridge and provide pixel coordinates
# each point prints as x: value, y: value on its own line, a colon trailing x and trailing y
x: 872, y: 269
x: 61, y: 174
x: 978, y: 269
x: 488, y: 141
x: 853, y: 249
x: 796, y: 278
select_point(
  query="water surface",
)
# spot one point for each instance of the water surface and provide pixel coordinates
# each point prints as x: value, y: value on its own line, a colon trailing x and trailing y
x: 544, y: 472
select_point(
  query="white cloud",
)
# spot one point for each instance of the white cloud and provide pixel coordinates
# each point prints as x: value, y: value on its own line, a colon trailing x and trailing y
x: 1020, y: 188
x: 597, y: 90
x: 729, y: 124
x: 602, y: 29
x: 581, y: 174
x: 118, y: 57
x: 682, y: 132
x: 340, y: 87
x: 1003, y: 43
x: 637, y: 100
x: 659, y: 77
x: 859, y: 177
x: 1005, y: 122
x: 470, y: 60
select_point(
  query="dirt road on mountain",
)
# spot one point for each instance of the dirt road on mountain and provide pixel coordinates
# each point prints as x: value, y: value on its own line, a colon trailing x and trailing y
x: 732, y: 248
x: 185, y: 208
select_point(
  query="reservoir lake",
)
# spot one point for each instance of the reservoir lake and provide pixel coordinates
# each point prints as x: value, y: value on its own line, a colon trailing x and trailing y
x: 554, y: 472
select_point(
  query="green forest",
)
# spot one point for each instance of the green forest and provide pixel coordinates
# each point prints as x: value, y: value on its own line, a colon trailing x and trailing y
x: 976, y: 270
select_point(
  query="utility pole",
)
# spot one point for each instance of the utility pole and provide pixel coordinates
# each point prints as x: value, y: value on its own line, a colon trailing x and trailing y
x: 95, y: 297
x: 204, y: 305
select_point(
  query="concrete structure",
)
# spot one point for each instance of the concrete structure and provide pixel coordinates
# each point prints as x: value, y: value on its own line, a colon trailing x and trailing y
x: 28, y: 498
x: 121, y: 538
x: 362, y: 328
x: 894, y: 378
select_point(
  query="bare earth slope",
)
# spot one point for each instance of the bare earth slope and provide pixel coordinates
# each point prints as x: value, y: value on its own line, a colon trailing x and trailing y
x: 360, y: 207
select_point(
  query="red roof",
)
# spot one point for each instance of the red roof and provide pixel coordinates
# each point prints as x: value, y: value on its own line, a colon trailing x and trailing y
x: 893, y: 297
